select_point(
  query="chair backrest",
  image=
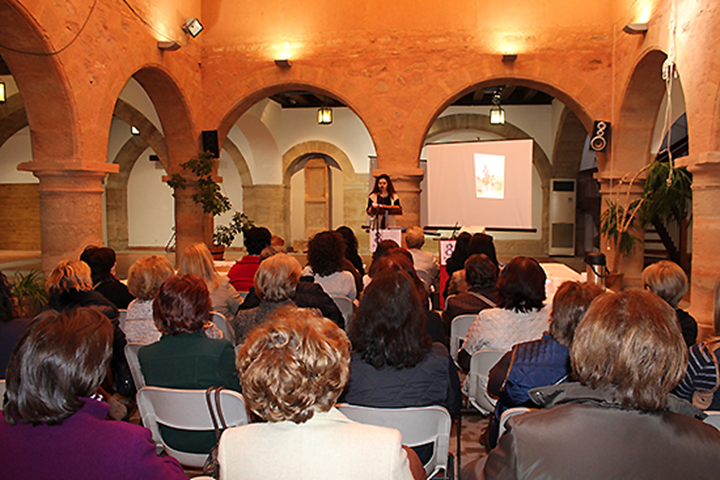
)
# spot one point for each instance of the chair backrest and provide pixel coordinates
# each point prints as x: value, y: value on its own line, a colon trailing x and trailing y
x: 713, y: 418
x: 121, y: 318
x: 510, y: 412
x: 346, y: 307
x: 480, y: 364
x: 418, y: 426
x: 243, y: 294
x: 458, y: 331
x: 2, y: 393
x: 186, y: 410
x: 219, y: 320
x: 131, y: 355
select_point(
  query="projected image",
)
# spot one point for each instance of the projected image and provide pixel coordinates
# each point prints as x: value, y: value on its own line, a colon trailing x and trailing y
x: 489, y: 176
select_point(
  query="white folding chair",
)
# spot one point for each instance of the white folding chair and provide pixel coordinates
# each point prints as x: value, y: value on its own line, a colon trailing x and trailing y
x: 458, y: 331
x: 131, y: 355
x: 510, y: 412
x: 418, y: 426
x: 480, y: 364
x: 219, y: 320
x: 121, y: 318
x: 186, y: 410
x: 346, y: 307
x: 713, y: 418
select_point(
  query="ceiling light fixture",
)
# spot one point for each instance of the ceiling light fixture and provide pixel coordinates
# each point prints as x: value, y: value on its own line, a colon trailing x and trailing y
x: 192, y: 26
x: 283, y: 63
x: 170, y: 46
x: 509, y: 57
x: 134, y: 130
x: 325, y: 115
x: 497, y: 114
x: 3, y: 92
x: 635, y: 28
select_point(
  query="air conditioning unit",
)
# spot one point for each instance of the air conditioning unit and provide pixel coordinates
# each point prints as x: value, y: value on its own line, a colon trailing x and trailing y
x: 562, y: 217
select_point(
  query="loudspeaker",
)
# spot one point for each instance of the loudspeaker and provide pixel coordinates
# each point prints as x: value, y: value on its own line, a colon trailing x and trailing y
x: 210, y: 142
x: 600, y: 136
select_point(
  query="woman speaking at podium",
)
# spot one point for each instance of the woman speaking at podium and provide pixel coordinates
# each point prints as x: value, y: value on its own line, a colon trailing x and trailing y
x: 383, y: 203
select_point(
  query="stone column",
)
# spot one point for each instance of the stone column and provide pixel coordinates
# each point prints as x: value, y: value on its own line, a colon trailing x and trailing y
x: 70, y: 212
x: 354, y: 205
x: 705, y: 168
x: 407, y: 187
x: 631, y: 265
x: 192, y: 225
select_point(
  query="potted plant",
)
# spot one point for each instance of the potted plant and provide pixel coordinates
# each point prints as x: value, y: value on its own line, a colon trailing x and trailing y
x: 616, y: 224
x: 30, y: 293
x: 225, y: 234
x: 208, y: 193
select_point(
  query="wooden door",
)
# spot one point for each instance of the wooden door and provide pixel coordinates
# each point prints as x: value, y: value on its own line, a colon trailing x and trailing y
x: 316, y: 197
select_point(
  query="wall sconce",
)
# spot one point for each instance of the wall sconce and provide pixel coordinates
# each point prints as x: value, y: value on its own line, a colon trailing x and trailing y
x: 635, y: 28
x: 170, y: 46
x: 509, y: 57
x: 497, y: 114
x: 325, y: 115
x: 284, y: 63
x: 192, y: 26
x: 3, y: 92
x: 134, y: 130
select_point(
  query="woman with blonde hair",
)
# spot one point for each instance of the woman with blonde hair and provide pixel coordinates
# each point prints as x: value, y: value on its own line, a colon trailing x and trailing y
x: 197, y: 260
x: 144, y: 279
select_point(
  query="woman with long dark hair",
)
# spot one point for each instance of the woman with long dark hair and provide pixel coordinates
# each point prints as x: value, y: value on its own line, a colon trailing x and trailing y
x: 394, y: 361
x: 383, y: 195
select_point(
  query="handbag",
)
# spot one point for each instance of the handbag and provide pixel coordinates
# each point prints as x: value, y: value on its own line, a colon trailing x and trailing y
x: 212, y: 397
x: 702, y: 400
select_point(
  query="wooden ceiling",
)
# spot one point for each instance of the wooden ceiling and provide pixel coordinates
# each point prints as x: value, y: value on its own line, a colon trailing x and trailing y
x: 510, y: 95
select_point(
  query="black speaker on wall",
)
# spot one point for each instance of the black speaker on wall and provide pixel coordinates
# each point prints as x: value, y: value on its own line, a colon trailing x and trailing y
x: 210, y: 142
x: 600, y: 138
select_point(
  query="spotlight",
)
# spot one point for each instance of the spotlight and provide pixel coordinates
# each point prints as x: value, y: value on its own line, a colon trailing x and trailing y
x: 134, y: 130
x: 3, y: 92
x: 283, y: 63
x: 192, y: 26
x: 509, y: 58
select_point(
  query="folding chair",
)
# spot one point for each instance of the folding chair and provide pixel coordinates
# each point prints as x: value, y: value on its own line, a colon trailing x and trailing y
x: 186, y: 410
x: 219, y: 320
x: 458, y: 331
x: 2, y: 393
x: 713, y: 418
x: 121, y: 318
x: 510, y: 412
x: 131, y: 354
x: 346, y: 307
x: 480, y: 364
x: 418, y: 426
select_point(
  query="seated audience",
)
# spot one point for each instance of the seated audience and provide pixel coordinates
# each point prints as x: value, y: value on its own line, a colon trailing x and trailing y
x: 394, y: 362
x: 456, y: 261
x: 102, y: 263
x: 53, y: 425
x: 701, y: 378
x: 481, y: 275
x: 425, y: 264
x: 241, y: 274
x: 485, y: 244
x: 620, y: 420
x: 185, y: 357
x: 326, y: 258
x: 10, y: 326
x: 275, y: 284
x: 197, y: 260
x: 351, y: 248
x: 520, y: 315
x: 144, y: 279
x: 308, y: 294
x: 668, y: 281
x: 400, y: 260
x: 69, y: 286
x: 542, y: 362
x: 383, y: 248
x: 293, y: 369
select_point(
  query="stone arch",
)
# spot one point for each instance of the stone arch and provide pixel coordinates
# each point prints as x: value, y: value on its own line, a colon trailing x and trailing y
x: 569, y: 145
x: 239, y: 162
x: 632, y: 137
x: 354, y: 184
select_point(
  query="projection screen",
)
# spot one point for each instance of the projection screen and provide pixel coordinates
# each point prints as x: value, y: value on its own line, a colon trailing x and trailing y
x: 486, y: 183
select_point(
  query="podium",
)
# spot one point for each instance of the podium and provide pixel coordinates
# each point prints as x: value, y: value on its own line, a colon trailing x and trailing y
x: 379, y: 228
